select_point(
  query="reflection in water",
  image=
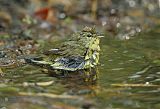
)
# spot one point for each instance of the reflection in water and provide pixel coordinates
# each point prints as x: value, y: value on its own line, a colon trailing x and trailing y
x: 80, y: 77
x: 78, y: 82
x: 67, y: 83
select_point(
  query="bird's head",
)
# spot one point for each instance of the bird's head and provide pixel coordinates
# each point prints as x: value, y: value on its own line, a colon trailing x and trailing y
x: 90, y: 32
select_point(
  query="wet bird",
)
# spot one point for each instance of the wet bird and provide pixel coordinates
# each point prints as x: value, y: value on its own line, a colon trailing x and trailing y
x: 79, y: 52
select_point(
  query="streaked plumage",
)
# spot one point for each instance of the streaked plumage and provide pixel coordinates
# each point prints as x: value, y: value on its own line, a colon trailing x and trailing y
x: 81, y: 51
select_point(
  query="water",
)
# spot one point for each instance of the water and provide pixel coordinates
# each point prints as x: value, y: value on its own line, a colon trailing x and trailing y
x: 123, y: 59
x: 119, y: 63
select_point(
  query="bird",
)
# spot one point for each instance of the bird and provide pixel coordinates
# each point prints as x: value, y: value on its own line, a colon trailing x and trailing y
x: 80, y: 51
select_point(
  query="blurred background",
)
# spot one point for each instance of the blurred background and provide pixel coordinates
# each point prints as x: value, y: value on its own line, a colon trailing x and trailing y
x: 122, y: 19
x: 129, y: 69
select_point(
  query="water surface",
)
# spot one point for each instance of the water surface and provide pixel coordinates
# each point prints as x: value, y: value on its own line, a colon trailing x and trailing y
x: 119, y: 63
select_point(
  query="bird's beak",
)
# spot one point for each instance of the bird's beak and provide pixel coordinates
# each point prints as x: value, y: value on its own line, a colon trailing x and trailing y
x: 100, y: 36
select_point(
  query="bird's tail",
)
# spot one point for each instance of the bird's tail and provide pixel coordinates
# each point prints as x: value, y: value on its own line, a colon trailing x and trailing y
x: 38, y: 62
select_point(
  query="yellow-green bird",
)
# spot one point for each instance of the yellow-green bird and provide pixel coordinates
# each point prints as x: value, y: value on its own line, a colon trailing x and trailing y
x: 79, y: 52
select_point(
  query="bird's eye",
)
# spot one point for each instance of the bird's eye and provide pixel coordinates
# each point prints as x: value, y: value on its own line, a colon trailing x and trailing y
x: 89, y: 35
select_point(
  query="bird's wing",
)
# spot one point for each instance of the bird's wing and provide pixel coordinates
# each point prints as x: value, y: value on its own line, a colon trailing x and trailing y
x: 69, y: 63
x: 39, y: 62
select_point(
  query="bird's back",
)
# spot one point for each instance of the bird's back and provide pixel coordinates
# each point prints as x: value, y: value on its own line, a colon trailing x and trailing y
x: 81, y: 51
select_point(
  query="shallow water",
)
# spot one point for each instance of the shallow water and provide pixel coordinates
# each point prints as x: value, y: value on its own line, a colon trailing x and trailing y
x: 120, y: 62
